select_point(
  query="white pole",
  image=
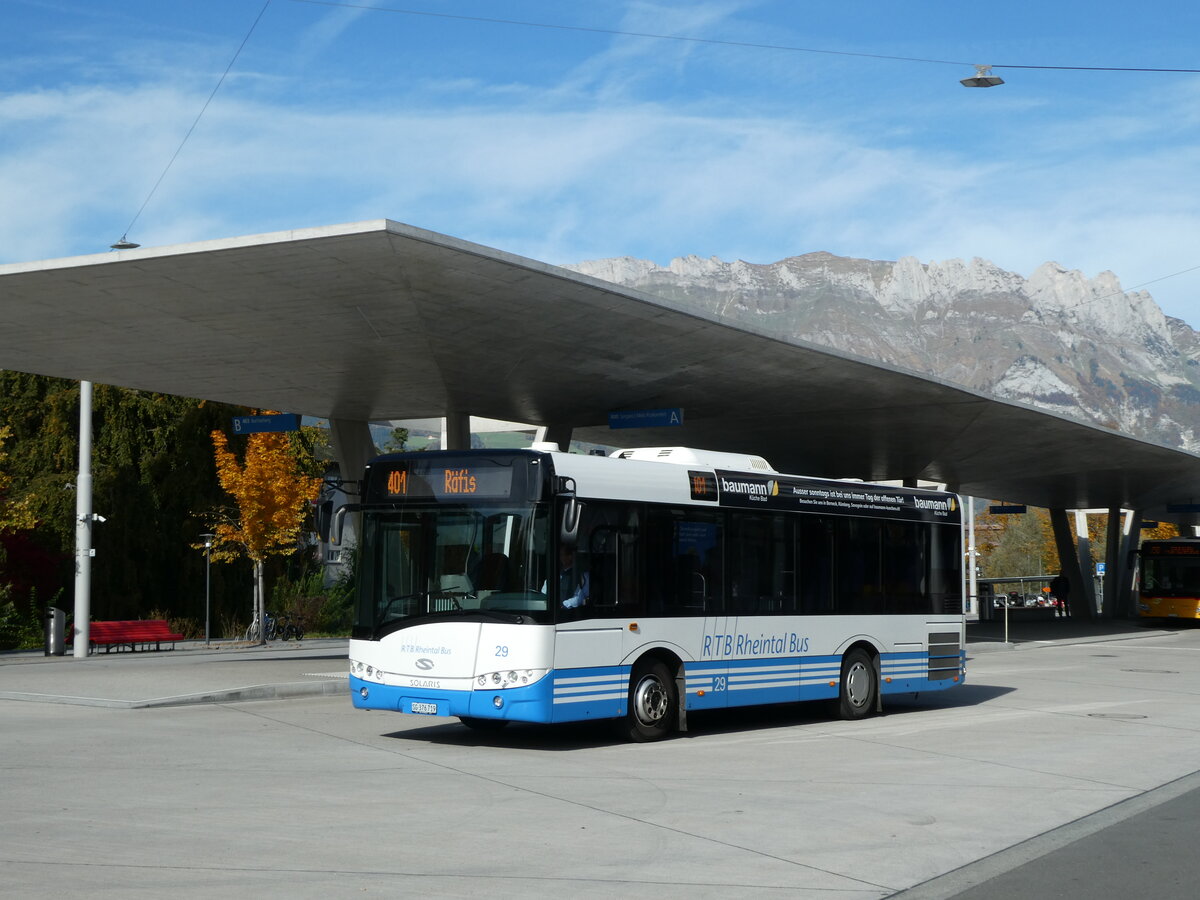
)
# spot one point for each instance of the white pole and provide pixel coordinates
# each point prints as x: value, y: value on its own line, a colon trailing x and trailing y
x: 83, y: 525
x: 971, y: 554
x: 208, y: 539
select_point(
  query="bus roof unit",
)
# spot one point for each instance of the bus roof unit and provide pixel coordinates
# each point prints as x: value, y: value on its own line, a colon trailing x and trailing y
x: 688, y: 456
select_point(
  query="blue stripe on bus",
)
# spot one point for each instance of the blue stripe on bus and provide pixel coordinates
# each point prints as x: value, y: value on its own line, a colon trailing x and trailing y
x: 744, y: 682
x: 599, y: 693
x: 569, y: 695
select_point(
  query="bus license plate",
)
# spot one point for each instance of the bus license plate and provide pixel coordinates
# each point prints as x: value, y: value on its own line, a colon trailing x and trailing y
x: 423, y: 709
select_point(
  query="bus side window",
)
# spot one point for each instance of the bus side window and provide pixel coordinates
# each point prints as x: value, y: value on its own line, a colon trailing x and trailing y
x: 609, y: 551
x: 945, y: 569
x: 687, y: 578
x: 814, y: 564
x: 903, y: 556
x: 761, y: 561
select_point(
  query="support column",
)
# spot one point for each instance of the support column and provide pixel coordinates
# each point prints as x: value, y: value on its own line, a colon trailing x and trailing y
x: 971, y: 604
x: 456, y: 432
x: 1083, y: 545
x: 1081, y: 597
x: 1119, y: 561
x: 353, y: 446
x: 556, y: 434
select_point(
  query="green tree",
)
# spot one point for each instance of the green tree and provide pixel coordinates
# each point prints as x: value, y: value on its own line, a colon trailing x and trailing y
x: 1023, y: 543
x: 1015, y: 544
x: 397, y: 441
x: 153, y: 474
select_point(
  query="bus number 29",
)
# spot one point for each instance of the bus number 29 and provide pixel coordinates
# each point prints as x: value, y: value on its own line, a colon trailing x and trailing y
x: 502, y: 650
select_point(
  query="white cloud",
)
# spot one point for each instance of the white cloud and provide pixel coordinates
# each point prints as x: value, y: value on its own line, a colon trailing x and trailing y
x: 583, y: 169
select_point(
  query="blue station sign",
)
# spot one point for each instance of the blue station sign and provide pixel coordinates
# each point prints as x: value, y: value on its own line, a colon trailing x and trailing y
x: 255, y: 424
x: 646, y: 418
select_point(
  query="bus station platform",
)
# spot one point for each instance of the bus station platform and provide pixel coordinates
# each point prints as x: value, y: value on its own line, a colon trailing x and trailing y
x: 223, y: 672
x: 1067, y: 766
x: 232, y: 671
x: 1026, y: 627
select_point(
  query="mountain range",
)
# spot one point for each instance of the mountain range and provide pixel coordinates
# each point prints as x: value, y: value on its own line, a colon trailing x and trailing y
x: 1057, y: 340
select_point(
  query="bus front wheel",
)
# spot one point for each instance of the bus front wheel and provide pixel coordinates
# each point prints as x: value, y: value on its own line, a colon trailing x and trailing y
x: 653, y: 702
x: 858, y: 693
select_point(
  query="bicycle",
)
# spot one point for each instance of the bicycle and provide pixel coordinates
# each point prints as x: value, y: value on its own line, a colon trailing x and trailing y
x: 288, y: 627
x: 255, y: 629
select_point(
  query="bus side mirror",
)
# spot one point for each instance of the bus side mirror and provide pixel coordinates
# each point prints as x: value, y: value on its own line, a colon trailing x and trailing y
x: 339, y: 518
x: 569, y: 530
x: 324, y: 518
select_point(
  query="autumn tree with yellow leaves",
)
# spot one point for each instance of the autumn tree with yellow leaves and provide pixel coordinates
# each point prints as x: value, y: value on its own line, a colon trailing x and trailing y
x: 273, y: 493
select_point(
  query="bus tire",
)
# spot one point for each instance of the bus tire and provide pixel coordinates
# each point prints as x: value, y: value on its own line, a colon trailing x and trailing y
x: 476, y: 723
x: 858, y: 691
x: 653, y: 702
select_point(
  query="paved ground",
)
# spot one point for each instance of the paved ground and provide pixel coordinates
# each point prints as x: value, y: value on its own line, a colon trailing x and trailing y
x: 193, y: 673
x: 1064, y: 763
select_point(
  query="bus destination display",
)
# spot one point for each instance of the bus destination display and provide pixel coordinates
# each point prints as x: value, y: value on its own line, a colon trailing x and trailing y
x: 417, y: 480
x: 1170, y: 549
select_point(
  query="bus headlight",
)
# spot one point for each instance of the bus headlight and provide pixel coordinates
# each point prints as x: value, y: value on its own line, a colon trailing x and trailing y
x: 362, y: 670
x: 509, y: 678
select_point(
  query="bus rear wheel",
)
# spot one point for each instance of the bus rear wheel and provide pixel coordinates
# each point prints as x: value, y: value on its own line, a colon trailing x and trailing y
x: 653, y: 702
x: 859, y: 690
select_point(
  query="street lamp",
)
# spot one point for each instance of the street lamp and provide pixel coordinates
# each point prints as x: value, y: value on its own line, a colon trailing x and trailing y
x: 208, y: 539
x: 983, y: 78
x: 84, y: 517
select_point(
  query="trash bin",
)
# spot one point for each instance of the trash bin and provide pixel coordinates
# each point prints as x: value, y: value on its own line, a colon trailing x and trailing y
x: 986, y: 598
x: 56, y: 621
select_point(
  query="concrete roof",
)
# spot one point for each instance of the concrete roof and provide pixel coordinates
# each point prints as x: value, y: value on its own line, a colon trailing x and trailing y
x: 379, y: 320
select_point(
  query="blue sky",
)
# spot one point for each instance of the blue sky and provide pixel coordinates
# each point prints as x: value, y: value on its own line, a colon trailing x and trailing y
x: 566, y: 145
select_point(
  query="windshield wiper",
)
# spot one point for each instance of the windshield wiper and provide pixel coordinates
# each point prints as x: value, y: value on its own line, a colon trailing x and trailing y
x: 400, y: 598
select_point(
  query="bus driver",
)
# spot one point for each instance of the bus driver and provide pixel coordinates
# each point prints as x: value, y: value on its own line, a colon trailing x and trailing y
x: 571, y: 592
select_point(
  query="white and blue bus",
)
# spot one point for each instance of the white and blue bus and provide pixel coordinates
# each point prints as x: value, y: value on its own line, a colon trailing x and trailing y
x: 540, y: 586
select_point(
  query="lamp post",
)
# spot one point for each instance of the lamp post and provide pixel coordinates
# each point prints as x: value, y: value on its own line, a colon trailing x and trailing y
x: 208, y: 539
x: 83, y: 525
x: 84, y: 517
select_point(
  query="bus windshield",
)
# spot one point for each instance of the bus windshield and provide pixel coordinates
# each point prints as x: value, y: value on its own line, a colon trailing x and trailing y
x: 1171, y: 576
x: 445, y: 561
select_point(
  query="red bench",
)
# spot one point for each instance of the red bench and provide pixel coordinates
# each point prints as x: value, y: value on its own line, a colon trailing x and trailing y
x: 134, y: 634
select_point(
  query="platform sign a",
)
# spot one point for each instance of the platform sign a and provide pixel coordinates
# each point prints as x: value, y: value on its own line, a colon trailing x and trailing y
x: 255, y: 424
x: 646, y: 418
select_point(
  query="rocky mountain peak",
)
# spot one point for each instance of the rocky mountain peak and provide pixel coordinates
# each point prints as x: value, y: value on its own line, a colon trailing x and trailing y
x: 1058, y: 340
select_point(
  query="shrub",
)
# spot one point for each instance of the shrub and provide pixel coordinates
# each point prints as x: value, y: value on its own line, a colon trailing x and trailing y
x: 230, y: 627
x: 191, y: 629
x: 18, y: 631
x: 323, y: 610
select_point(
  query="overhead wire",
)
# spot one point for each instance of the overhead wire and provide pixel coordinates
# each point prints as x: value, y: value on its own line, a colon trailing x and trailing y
x: 627, y: 33
x: 199, y: 116
x: 718, y: 41
x: 754, y: 46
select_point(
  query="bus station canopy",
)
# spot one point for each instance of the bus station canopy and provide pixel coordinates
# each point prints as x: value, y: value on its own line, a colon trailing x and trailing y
x: 380, y: 321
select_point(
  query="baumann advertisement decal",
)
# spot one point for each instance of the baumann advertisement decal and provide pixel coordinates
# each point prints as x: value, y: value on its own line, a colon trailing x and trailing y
x: 849, y: 498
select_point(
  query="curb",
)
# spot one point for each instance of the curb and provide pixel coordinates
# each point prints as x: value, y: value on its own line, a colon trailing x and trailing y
x: 283, y: 691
